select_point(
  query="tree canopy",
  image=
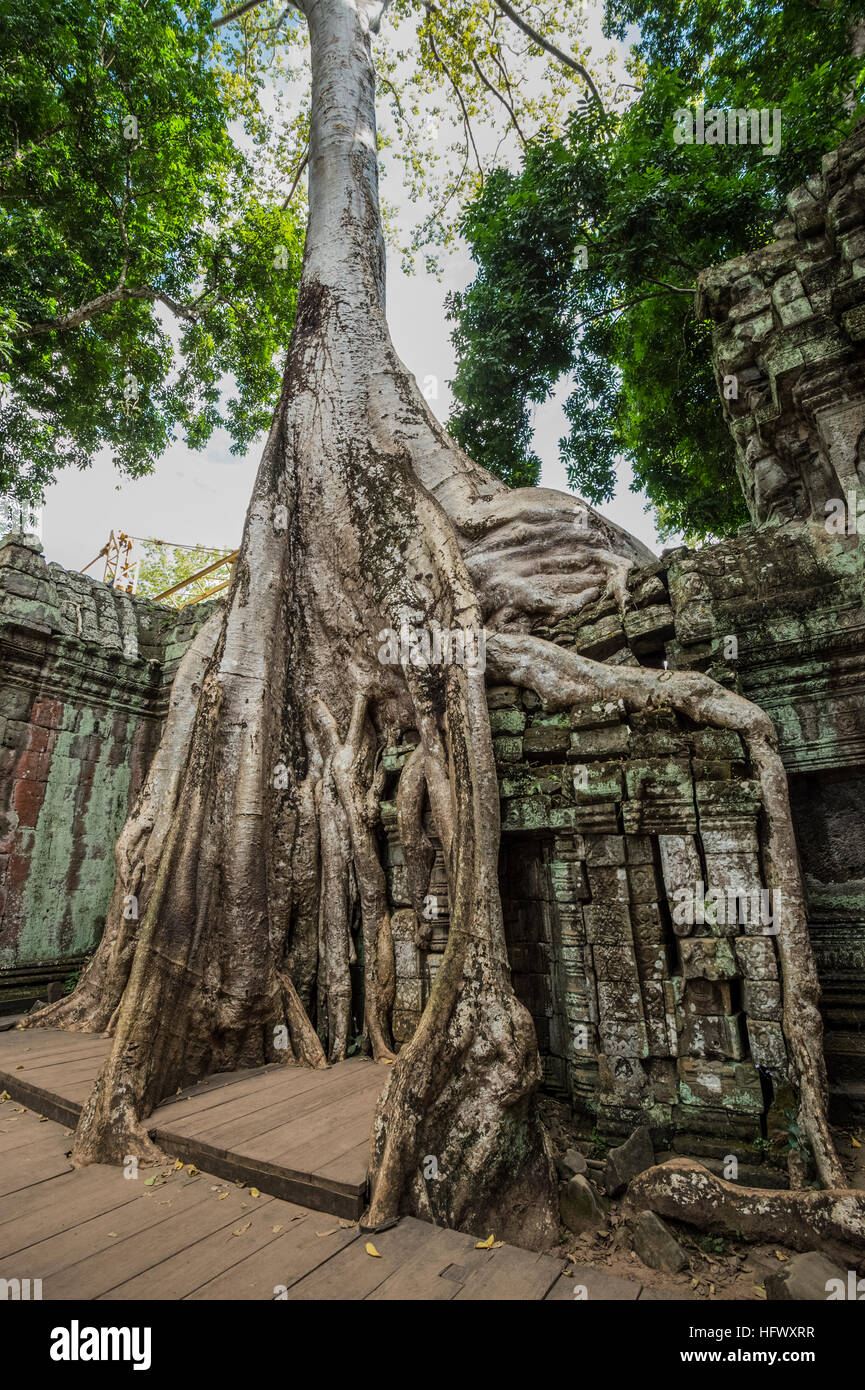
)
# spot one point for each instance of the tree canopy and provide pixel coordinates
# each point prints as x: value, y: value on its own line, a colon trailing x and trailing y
x: 588, y: 253
x: 142, y: 256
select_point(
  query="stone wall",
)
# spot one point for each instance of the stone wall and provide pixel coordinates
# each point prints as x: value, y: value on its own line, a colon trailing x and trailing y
x: 606, y: 817
x: 85, y: 672
x: 788, y: 347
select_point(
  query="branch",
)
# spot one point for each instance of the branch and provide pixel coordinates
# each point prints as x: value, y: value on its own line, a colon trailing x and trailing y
x: 675, y: 289
x: 496, y: 93
x: 296, y: 180
x: 21, y: 153
x: 630, y: 303
x: 466, y: 122
x: 235, y: 14
x: 102, y: 303
x: 554, y: 52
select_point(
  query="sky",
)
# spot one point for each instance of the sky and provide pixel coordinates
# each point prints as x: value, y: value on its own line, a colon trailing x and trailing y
x: 201, y: 497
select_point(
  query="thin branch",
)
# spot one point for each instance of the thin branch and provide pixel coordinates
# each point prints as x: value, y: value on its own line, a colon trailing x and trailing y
x: 496, y: 93
x: 466, y: 122
x: 629, y: 304
x: 235, y: 14
x: 553, y: 50
x: 102, y: 303
x: 297, y: 177
x: 21, y: 152
x: 678, y: 289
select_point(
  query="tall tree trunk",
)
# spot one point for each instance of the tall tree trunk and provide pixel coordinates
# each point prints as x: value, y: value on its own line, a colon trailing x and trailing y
x: 365, y: 517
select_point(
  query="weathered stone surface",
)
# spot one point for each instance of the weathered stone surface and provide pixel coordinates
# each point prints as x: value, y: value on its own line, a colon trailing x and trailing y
x: 580, y: 1207
x: 86, y: 672
x: 570, y: 1164
x: 656, y: 1245
x: 626, y: 1161
x: 806, y: 1277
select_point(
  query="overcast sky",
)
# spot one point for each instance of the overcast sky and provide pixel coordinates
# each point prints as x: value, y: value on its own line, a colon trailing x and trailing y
x: 201, y: 497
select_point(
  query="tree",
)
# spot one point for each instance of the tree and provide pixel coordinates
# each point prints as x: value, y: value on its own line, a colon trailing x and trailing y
x: 165, y: 566
x: 142, y: 256
x: 588, y: 255
x: 254, y: 833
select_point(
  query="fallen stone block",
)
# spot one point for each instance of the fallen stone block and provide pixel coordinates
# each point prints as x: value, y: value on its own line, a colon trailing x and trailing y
x: 804, y: 1279
x: 580, y: 1206
x: 626, y: 1161
x: 656, y: 1245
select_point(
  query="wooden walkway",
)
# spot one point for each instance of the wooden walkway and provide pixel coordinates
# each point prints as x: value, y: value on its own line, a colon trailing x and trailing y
x: 293, y: 1133
x: 263, y: 1206
x: 171, y: 1234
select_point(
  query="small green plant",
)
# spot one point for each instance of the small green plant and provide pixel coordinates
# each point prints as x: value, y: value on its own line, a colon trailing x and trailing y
x: 712, y: 1245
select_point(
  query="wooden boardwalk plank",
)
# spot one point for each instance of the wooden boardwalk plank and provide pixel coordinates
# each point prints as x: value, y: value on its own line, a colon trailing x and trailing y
x: 598, y: 1284
x: 24, y: 1167
x: 182, y: 1274
x: 436, y: 1273
x: 306, y: 1246
x: 266, y: 1109
x: 511, y: 1273
x: 354, y: 1274
x: 92, y: 1262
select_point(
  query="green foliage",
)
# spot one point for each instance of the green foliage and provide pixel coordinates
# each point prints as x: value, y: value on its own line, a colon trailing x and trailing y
x: 651, y: 214
x: 120, y: 177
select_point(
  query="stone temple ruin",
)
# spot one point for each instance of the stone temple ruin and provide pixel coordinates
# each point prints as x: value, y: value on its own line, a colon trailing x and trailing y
x: 649, y: 1008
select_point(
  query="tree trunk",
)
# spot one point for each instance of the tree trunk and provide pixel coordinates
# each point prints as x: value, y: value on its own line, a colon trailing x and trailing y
x: 254, y: 845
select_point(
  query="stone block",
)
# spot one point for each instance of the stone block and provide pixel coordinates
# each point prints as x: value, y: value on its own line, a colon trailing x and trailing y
x: 767, y: 1045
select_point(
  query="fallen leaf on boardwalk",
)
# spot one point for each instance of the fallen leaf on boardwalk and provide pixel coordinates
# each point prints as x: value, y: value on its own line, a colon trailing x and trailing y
x: 387, y: 1061
x: 779, y: 1255
x: 148, y: 1182
x: 178, y: 1165
x: 485, y: 1244
x: 222, y: 1196
x: 759, y: 1291
x: 572, y: 1258
x: 4, y: 1095
x: 276, y: 1230
x: 497, y: 1245
x: 332, y: 1232
x: 371, y: 1250
x: 254, y: 1192
x: 239, y: 1230
x: 112, y: 1233
x: 346, y: 1225
x: 191, y: 1170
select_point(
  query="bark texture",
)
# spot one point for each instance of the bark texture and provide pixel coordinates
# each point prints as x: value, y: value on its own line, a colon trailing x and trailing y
x: 253, y: 851
x: 833, y: 1219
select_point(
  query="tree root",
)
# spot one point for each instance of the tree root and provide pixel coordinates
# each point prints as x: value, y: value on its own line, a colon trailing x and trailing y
x: 832, y: 1220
